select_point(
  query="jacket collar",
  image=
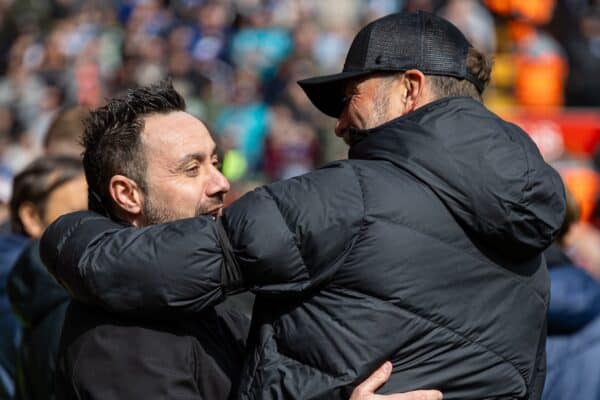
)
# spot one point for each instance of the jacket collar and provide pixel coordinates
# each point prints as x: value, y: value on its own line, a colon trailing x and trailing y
x: 486, y: 171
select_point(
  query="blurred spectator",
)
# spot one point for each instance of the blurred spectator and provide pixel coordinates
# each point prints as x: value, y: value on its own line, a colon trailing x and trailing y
x: 243, y: 123
x: 5, y: 191
x: 573, y: 344
x: 475, y: 21
x: 291, y: 147
x: 541, y: 67
x: 259, y: 46
x: 63, y: 136
x: 237, y: 61
x: 11, y: 246
x: 46, y: 189
x: 582, y: 45
x: 583, y: 238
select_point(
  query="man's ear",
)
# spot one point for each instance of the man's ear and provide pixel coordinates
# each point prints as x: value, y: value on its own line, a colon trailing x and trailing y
x: 126, y: 194
x: 31, y: 220
x: 414, y: 85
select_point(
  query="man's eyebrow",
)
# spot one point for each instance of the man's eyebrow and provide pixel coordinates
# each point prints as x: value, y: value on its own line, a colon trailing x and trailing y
x: 194, y: 157
x: 190, y: 157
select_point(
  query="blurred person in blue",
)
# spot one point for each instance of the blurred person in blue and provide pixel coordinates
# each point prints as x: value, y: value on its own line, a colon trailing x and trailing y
x: 424, y: 247
x: 244, y: 122
x: 46, y: 189
x: 11, y: 246
x: 573, y: 347
x: 258, y: 44
x: 6, y: 177
x: 30, y: 198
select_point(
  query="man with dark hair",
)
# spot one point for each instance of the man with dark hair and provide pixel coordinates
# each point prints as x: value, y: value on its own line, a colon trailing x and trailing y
x: 424, y: 247
x: 147, y: 161
x: 107, y: 356
x: 46, y: 189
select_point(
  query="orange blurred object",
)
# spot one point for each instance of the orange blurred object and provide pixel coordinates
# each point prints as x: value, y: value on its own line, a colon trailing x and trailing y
x: 584, y: 184
x: 538, y: 12
x: 540, y: 80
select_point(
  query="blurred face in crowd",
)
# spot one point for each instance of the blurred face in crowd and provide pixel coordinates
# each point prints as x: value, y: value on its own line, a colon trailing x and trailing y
x: 68, y: 197
x: 4, y: 212
x: 182, y: 177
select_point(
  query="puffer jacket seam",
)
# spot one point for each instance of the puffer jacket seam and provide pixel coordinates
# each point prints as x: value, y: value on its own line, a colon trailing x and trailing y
x: 71, y: 231
x: 527, y: 185
x: 321, y: 371
x: 363, y: 222
x: 292, y: 233
x: 417, y: 313
x: 352, y: 240
x: 361, y: 186
x: 66, y: 237
x: 260, y: 356
x: 73, y: 378
x: 517, y: 278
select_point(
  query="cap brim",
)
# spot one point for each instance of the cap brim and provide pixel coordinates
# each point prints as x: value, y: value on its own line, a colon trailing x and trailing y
x: 327, y: 92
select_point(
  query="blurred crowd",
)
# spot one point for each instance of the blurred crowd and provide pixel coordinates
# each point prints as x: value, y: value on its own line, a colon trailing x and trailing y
x: 236, y: 62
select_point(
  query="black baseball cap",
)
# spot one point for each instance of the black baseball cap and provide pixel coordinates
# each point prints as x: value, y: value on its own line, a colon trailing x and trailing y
x: 395, y: 43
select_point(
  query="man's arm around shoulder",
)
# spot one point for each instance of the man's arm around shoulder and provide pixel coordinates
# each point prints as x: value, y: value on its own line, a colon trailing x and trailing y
x: 127, y: 269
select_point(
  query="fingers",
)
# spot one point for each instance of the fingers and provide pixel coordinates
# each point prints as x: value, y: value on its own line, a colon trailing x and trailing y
x: 366, y: 390
x: 416, y: 395
x: 374, y: 381
x: 377, y: 378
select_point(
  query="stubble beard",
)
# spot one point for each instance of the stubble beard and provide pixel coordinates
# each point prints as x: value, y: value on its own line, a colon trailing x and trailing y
x: 381, y: 105
x: 380, y: 114
x: 159, y: 213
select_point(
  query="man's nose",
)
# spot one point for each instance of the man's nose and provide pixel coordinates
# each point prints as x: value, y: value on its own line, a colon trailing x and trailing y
x: 218, y: 184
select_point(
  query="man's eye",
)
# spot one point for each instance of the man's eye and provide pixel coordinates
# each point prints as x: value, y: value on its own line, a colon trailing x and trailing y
x: 192, y: 170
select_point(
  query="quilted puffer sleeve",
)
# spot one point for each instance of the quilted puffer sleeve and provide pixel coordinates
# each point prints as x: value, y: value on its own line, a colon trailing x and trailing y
x: 176, y: 266
x: 293, y: 235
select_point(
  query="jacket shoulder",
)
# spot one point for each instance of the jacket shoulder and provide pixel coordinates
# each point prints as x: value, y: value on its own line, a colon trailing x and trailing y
x: 295, y: 233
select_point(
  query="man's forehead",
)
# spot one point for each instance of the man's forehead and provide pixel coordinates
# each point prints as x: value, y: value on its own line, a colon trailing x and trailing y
x: 176, y: 132
x: 171, y: 120
x: 175, y: 129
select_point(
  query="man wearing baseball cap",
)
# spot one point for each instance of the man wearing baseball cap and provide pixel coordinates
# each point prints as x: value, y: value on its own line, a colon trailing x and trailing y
x: 423, y: 248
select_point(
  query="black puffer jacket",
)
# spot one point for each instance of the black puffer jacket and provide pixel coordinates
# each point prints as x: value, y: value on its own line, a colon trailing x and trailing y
x: 424, y: 248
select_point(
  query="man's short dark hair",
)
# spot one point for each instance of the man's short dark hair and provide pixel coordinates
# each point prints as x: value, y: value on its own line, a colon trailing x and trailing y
x: 478, y: 65
x: 112, y: 137
x: 35, y: 183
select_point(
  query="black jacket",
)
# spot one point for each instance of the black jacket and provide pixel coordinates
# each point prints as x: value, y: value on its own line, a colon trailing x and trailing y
x: 40, y: 303
x: 106, y: 356
x: 423, y: 248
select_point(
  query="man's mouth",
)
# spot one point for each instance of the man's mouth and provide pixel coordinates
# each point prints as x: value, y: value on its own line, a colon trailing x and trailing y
x: 215, y: 213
